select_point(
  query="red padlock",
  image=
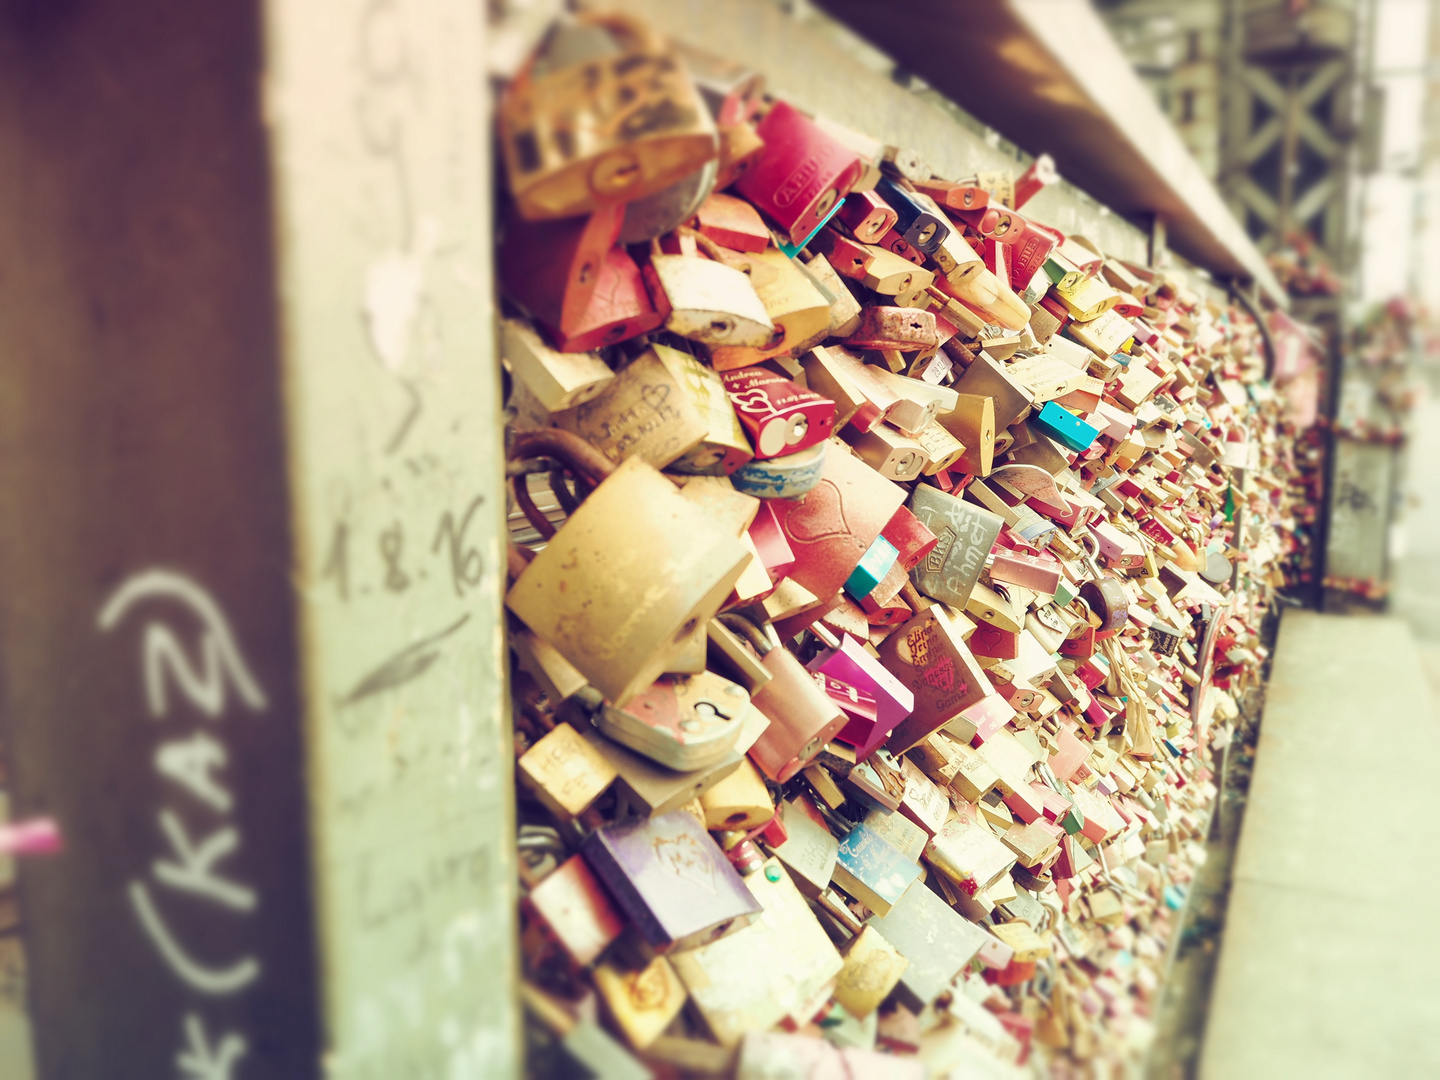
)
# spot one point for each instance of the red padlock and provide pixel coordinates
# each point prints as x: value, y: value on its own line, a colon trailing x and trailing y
x: 553, y: 268
x: 619, y: 310
x: 781, y: 417
x: 802, y: 174
x: 867, y: 215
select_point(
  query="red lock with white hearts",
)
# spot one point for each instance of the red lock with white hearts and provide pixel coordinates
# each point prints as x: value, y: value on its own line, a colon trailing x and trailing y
x: 779, y: 416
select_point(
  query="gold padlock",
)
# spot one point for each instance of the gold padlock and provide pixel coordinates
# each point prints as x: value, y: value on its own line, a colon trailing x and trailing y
x: 557, y: 380
x: 620, y: 123
x: 644, y: 412
x: 628, y: 578
x: 708, y: 300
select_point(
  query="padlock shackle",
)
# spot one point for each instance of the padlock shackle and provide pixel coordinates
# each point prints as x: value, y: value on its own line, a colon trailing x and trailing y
x: 577, y: 455
x: 746, y: 629
x: 582, y: 459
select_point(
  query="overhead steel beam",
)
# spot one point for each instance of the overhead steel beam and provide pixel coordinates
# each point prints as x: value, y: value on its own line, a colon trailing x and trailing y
x: 1048, y: 76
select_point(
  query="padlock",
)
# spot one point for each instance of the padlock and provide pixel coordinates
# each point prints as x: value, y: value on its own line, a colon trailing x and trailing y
x: 867, y: 216
x: 921, y: 229
x: 832, y: 526
x: 954, y: 196
x: 872, y: 969
x: 554, y: 268
x: 1119, y: 550
x: 936, y: 939
x: 965, y: 534
x: 1040, y: 175
x: 671, y: 880
x: 706, y: 300
x: 564, y: 773
x: 802, y: 717
x: 987, y: 377
x: 879, y: 270
x: 807, y: 849
x: 858, y: 704
x: 874, y: 565
x: 741, y: 149
x: 558, y: 380
x: 896, y: 244
x: 731, y: 91
x: 972, y: 421
x: 893, y: 455
x: 770, y: 542
x: 723, y: 448
x: 644, y: 788
x: 640, y: 1000
x: 656, y: 214
x: 831, y: 372
x: 799, y: 311
x: 912, y: 538
x: 1065, y: 427
x: 619, y: 310
x: 787, y: 477
x: 780, y: 969
x: 645, y: 412
x: 1085, y: 298
x: 621, y: 122
x: 685, y: 722
x: 732, y: 223
x: 1107, y: 599
x: 929, y: 658
x: 779, y: 416
x: 802, y: 174
x: 872, y: 871
x: 904, y: 329
x: 740, y: 801
x: 575, y: 910
x: 629, y: 575
x: 849, y: 662
x: 845, y: 310
x: 942, y: 448
x: 1105, y: 335
x: 969, y: 855
x: 1039, y: 573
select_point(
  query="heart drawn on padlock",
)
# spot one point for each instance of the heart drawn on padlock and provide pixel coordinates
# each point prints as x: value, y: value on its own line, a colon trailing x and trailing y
x: 683, y: 857
x: 818, y: 515
x: 655, y: 396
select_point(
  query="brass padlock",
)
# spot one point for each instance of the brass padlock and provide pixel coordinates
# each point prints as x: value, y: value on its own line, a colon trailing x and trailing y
x: 707, y: 300
x: 628, y: 577
x: 558, y: 380
x: 644, y: 412
x: 619, y: 123
x: 724, y: 447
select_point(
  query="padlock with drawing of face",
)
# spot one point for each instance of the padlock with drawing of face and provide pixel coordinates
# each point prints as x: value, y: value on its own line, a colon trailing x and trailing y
x: 685, y: 722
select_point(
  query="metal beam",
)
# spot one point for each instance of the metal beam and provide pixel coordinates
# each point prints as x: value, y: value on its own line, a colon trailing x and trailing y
x: 1048, y: 76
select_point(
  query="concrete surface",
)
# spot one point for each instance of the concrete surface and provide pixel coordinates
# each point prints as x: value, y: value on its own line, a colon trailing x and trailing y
x: 1330, y: 963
